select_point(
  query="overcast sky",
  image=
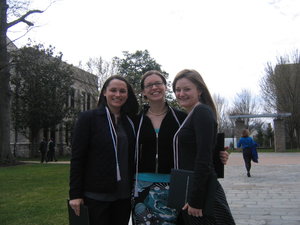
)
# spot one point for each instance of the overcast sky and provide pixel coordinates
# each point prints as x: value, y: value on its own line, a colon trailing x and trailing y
x: 228, y: 42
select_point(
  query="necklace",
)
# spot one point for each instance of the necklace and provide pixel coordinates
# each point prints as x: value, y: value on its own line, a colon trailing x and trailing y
x: 156, y: 114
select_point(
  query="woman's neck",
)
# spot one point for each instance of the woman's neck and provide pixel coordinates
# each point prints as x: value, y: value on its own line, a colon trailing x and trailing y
x: 115, y: 111
x: 191, y: 108
x: 157, y: 108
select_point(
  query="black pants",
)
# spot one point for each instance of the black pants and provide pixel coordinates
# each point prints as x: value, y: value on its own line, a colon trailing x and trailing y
x: 51, y: 156
x: 43, y: 156
x: 247, y: 155
x: 108, y: 213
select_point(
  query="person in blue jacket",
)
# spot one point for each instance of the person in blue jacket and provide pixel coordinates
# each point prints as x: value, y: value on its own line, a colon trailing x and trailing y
x: 247, y: 144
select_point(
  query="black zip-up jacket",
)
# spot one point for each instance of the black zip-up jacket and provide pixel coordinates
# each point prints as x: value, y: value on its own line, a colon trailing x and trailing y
x: 93, y: 162
x: 149, y: 144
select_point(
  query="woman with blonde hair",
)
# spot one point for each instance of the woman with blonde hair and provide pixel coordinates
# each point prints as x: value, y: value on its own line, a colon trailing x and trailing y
x: 247, y: 144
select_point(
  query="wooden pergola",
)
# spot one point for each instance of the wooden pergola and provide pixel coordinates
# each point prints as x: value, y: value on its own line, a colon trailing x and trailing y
x: 279, y: 127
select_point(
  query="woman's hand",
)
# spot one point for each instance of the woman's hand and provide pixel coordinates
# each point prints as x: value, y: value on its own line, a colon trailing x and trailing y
x: 192, y: 211
x: 75, y: 205
x: 224, y: 155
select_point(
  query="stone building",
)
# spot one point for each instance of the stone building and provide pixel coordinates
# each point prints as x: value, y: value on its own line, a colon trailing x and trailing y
x: 83, y: 96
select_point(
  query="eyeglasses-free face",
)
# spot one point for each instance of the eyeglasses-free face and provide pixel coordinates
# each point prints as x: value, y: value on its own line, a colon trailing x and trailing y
x: 116, y: 94
x: 187, y: 94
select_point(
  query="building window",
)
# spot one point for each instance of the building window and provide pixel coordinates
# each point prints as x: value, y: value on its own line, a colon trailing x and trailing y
x: 67, y: 134
x: 88, y: 101
x: 67, y: 99
x: 72, y: 96
x: 83, y: 101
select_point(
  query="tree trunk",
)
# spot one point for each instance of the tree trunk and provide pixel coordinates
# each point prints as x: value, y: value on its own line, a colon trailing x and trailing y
x: 298, y: 137
x: 16, y: 143
x: 5, y: 93
x: 60, y: 136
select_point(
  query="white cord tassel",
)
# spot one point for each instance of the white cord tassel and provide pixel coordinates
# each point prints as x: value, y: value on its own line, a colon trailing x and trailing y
x: 114, y: 137
x: 136, y: 193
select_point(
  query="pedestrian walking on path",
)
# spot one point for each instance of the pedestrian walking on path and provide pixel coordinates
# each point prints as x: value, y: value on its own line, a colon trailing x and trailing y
x: 51, y: 151
x: 249, y: 149
x: 43, y: 150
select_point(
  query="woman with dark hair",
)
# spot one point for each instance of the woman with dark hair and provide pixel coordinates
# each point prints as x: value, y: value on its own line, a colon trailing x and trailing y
x: 247, y: 144
x: 194, y: 145
x: 157, y: 124
x: 102, y: 159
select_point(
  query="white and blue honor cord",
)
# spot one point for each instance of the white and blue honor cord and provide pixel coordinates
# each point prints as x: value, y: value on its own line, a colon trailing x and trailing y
x: 175, y: 142
x: 114, y: 137
x: 137, y: 156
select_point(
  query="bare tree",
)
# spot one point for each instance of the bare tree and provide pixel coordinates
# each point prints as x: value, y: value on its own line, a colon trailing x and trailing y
x: 244, y: 104
x: 102, y: 68
x: 281, y: 92
x: 224, y: 124
x: 5, y: 92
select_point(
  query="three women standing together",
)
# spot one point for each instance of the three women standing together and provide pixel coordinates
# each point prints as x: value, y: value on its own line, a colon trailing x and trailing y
x: 105, y: 154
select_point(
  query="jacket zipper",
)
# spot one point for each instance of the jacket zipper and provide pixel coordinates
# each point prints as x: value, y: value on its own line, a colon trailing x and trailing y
x: 156, y: 156
x: 140, y: 152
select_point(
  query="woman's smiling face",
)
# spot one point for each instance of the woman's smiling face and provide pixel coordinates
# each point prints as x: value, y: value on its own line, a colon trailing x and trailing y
x: 187, y: 93
x: 154, y: 88
x: 116, y: 94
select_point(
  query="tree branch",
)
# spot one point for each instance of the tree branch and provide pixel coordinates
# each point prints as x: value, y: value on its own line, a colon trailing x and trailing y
x: 23, y: 18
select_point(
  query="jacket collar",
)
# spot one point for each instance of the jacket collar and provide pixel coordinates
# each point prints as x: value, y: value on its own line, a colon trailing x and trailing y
x: 100, y: 110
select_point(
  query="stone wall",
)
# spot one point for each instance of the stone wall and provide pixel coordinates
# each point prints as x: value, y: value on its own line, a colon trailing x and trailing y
x: 279, y: 135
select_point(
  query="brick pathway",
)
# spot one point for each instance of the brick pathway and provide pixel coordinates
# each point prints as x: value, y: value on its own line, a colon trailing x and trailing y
x: 271, y: 196
x: 267, y: 159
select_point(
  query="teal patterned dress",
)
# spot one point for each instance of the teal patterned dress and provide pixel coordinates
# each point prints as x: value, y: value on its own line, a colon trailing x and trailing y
x: 149, y: 207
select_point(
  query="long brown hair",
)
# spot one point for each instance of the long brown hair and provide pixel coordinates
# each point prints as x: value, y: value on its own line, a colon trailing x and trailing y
x: 196, y: 78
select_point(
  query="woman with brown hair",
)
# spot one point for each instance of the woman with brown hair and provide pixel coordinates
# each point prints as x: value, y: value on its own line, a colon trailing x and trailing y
x: 194, y: 145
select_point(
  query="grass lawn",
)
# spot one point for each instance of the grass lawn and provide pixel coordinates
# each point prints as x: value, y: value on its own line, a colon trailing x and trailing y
x: 34, y: 194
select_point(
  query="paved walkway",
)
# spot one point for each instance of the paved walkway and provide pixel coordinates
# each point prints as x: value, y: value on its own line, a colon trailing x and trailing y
x: 271, y: 196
